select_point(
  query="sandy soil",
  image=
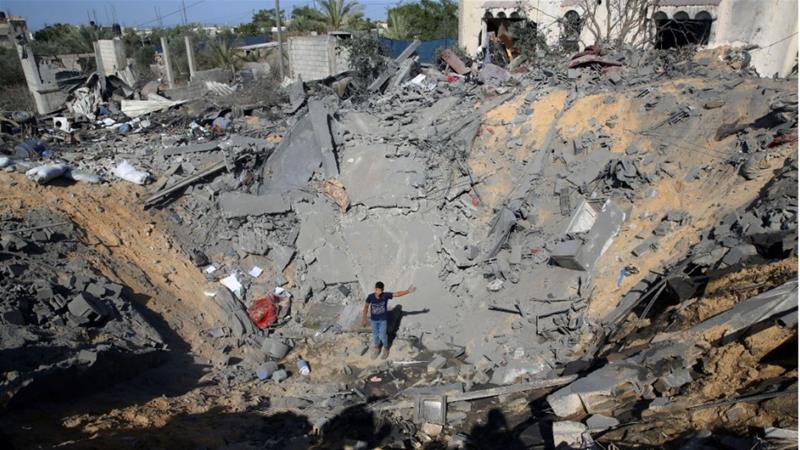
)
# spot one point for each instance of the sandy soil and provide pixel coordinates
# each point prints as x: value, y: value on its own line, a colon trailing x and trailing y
x: 134, y: 250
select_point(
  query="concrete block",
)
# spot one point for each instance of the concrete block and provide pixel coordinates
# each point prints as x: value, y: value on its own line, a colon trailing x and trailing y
x: 437, y: 363
x: 83, y: 307
x: 275, y: 347
x: 96, y: 290
x: 280, y: 375
x: 568, y: 433
x: 596, y: 242
x: 265, y: 371
x: 566, y: 405
x: 599, y: 422
x: 645, y: 247
x: 566, y: 252
x: 740, y: 253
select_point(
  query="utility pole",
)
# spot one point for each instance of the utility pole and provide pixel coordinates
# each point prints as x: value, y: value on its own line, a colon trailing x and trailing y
x: 183, y: 2
x: 280, y: 37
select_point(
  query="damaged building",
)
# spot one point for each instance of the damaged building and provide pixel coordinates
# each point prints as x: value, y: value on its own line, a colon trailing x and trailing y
x: 669, y: 24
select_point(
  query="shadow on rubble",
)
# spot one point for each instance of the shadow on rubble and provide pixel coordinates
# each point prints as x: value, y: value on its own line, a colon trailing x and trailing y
x: 217, y: 428
x: 116, y: 379
x: 496, y: 433
x: 396, y: 315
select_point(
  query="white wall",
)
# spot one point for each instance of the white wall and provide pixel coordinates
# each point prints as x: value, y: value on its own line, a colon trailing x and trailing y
x: 762, y: 23
x: 736, y: 23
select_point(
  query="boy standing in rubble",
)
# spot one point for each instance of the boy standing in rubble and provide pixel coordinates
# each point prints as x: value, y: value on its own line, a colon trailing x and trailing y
x: 377, y: 303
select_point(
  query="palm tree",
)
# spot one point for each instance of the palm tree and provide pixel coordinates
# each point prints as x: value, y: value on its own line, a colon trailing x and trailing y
x: 225, y: 55
x: 399, y: 27
x: 338, y: 13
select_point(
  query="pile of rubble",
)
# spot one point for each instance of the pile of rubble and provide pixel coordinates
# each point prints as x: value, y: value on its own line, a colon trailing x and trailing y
x: 550, y: 216
x: 63, y: 323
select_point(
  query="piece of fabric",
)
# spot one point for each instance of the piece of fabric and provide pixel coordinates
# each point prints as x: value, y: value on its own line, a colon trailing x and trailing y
x: 264, y: 311
x: 378, y: 308
x: 380, y: 334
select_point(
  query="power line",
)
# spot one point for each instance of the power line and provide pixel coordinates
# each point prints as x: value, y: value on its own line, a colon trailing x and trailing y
x: 177, y: 11
x: 775, y: 43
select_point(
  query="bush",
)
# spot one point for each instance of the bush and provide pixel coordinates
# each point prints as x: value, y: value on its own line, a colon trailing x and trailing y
x: 367, y: 57
x: 10, y: 68
x: 16, y: 97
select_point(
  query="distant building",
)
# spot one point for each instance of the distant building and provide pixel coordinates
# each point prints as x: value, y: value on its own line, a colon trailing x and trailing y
x: 770, y: 24
x: 7, y: 25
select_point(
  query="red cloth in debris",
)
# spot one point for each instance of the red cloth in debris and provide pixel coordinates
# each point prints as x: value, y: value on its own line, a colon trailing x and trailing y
x: 264, y: 311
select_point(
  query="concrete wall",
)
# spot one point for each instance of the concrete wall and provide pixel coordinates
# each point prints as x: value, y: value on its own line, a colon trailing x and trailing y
x: 735, y: 23
x: 112, y: 52
x: 315, y: 57
x: 40, y: 78
x: 763, y: 23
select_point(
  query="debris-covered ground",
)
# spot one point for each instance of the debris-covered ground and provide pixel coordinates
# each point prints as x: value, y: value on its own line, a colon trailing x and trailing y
x: 604, y: 251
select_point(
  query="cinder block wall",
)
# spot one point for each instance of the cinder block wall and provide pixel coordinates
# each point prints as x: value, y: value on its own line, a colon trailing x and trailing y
x: 112, y: 53
x: 311, y: 57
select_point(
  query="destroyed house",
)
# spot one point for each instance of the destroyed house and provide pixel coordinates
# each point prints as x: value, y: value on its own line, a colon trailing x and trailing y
x: 669, y: 24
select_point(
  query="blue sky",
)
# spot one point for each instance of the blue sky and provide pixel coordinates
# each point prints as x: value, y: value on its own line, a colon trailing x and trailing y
x: 143, y: 12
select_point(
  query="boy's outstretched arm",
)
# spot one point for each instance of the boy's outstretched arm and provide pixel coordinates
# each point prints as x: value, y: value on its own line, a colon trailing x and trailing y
x: 410, y: 289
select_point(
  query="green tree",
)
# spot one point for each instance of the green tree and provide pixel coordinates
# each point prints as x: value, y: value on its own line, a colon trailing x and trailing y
x: 262, y: 23
x: 367, y: 57
x: 339, y: 13
x: 427, y: 19
x: 398, y: 26
x: 10, y: 67
x: 225, y: 56
x: 64, y: 39
x: 306, y: 19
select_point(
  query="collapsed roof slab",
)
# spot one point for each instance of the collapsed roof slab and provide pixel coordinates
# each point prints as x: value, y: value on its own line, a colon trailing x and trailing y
x: 294, y: 161
x: 239, y: 204
x: 363, y: 124
x: 403, y: 250
x: 598, y: 387
x: 388, y: 247
x: 373, y: 176
x: 321, y: 245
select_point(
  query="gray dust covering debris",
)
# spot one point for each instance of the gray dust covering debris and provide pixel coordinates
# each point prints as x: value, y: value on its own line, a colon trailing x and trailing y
x: 593, y: 245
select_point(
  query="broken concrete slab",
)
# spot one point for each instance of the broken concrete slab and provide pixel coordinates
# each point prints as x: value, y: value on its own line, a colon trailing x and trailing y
x: 739, y: 254
x: 394, y: 66
x: 595, y: 242
x: 437, y: 363
x: 598, y: 422
x: 772, y: 303
x: 234, y: 312
x: 365, y: 169
x: 294, y: 160
x: 297, y: 96
x: 568, y: 434
x: 322, y: 131
x: 501, y: 225
x: 590, y: 393
x: 239, y: 204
